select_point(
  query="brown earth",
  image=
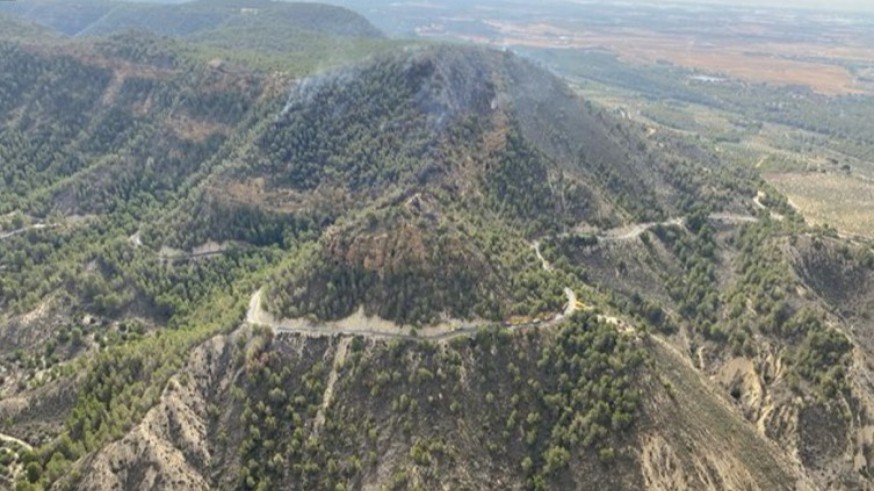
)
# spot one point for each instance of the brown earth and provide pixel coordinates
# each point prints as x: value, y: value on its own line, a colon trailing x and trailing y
x: 752, y: 62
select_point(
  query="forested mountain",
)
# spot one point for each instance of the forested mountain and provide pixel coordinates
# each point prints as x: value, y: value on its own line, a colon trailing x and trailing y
x: 104, y: 17
x: 430, y: 267
x: 15, y: 28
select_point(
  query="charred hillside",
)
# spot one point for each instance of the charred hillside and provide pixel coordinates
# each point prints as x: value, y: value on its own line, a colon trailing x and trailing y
x: 455, y: 149
x: 452, y: 116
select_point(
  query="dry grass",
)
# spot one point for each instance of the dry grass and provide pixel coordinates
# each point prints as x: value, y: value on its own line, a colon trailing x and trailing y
x: 844, y: 202
x: 826, y: 79
x: 754, y: 62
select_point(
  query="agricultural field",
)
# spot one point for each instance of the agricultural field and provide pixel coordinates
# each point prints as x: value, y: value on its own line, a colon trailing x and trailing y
x: 785, y: 91
x: 844, y: 202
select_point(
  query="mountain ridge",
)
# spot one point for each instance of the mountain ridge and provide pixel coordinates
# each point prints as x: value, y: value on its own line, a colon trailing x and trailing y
x: 712, y: 340
x: 106, y: 17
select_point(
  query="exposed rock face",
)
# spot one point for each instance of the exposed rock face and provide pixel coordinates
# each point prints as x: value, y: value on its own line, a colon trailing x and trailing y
x: 175, y: 445
x: 689, y: 437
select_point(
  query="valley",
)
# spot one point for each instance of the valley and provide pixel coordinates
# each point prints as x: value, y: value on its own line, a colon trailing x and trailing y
x: 774, y: 88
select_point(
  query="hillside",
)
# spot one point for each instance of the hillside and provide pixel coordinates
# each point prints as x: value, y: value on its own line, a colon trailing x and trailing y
x: 472, y: 171
x: 432, y: 267
x: 200, y: 18
x: 16, y: 28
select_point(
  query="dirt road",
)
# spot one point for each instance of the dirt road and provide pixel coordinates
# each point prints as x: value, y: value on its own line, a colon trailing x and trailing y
x: 11, y: 439
x: 37, y: 226
x: 360, y: 325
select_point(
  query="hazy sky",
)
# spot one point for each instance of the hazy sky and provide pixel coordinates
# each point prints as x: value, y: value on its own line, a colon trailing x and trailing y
x: 826, y: 5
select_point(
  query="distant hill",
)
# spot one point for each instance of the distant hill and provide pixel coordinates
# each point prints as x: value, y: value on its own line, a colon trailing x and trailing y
x: 102, y: 17
x: 12, y: 27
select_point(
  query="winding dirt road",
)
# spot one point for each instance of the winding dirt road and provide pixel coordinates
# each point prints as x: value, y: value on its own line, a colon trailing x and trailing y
x: 372, y: 327
x: 11, y: 439
x: 359, y: 324
x: 38, y: 226
x: 546, y: 266
x: 733, y: 218
x: 631, y: 232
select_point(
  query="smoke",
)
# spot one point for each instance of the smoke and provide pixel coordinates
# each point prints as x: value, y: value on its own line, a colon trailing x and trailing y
x: 305, y: 91
x: 453, y: 83
x: 442, y: 85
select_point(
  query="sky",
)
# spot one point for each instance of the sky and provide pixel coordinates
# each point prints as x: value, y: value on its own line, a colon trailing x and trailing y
x: 825, y: 5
